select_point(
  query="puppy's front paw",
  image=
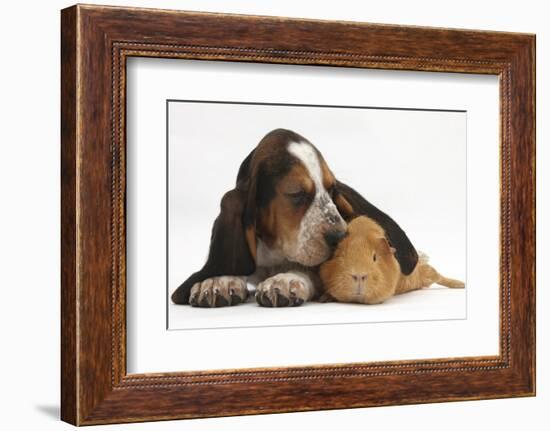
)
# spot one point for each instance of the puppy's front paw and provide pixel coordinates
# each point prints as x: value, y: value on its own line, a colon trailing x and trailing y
x: 284, y: 290
x: 218, y: 292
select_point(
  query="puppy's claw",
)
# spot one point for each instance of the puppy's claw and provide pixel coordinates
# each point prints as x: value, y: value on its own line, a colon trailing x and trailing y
x: 282, y: 301
x: 297, y: 302
x: 263, y: 299
x: 283, y: 290
x: 205, y: 299
x: 221, y: 302
x: 218, y: 292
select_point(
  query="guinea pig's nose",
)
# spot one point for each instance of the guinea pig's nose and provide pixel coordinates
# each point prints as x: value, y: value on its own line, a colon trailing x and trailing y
x: 361, y: 278
x: 333, y: 237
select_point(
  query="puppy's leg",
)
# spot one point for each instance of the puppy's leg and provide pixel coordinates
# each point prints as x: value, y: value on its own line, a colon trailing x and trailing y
x: 287, y: 289
x: 219, y: 292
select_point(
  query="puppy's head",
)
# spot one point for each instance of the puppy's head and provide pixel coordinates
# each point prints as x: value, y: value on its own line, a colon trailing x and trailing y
x: 363, y: 268
x: 291, y: 199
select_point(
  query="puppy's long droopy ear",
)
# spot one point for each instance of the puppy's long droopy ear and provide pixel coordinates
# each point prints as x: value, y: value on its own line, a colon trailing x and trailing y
x: 351, y: 204
x: 232, y: 243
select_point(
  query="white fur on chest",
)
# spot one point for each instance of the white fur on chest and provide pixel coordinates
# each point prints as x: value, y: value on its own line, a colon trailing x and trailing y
x: 266, y: 257
x: 270, y: 262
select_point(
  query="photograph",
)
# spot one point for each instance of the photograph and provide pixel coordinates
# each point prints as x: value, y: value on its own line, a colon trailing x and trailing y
x: 329, y: 214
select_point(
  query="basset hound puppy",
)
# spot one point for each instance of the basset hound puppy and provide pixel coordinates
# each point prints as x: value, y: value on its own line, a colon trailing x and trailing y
x: 282, y: 220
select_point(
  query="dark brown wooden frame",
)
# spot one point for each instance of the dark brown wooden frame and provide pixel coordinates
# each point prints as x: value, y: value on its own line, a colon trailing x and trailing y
x: 95, y: 43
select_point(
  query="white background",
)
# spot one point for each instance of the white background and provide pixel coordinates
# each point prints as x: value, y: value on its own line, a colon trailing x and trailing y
x: 29, y: 229
x: 430, y: 208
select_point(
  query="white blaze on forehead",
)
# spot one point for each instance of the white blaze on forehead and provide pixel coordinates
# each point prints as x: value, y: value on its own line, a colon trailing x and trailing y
x: 307, y: 155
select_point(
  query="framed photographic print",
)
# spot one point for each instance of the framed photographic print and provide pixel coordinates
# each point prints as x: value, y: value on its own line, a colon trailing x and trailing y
x: 265, y: 214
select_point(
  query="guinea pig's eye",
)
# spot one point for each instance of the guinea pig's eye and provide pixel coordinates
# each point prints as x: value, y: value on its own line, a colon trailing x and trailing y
x: 374, y: 257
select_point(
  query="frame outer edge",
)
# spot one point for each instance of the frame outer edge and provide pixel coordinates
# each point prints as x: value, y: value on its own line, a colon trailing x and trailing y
x: 69, y: 201
x: 530, y: 63
x: 533, y: 54
x: 532, y: 79
x: 523, y: 183
x: 88, y: 396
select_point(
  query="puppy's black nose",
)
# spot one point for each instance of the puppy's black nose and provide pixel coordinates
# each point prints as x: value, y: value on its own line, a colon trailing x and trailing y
x: 333, y: 237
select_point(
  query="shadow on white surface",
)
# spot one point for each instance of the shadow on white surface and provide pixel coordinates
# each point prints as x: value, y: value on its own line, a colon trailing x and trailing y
x: 435, y: 303
x: 50, y: 410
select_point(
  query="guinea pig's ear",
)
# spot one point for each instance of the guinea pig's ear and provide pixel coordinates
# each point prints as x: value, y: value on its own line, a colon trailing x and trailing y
x: 384, y: 246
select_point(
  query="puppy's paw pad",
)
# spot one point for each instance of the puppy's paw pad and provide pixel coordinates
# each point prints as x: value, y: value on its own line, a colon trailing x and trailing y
x: 218, y: 292
x: 283, y: 290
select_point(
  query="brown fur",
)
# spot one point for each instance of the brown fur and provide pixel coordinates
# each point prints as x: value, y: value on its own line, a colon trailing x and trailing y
x: 364, y: 269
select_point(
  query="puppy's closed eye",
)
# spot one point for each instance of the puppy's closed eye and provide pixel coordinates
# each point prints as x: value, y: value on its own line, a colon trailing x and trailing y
x: 298, y: 198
